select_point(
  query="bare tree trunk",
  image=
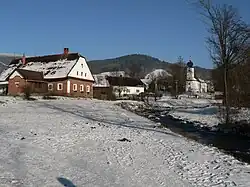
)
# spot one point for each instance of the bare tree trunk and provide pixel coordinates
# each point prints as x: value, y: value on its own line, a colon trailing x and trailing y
x: 156, y: 88
x: 227, y: 117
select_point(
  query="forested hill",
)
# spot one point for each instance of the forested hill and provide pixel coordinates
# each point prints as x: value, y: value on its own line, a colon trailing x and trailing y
x: 143, y: 64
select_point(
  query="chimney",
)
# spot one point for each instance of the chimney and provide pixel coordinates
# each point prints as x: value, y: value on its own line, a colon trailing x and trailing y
x: 66, y: 51
x: 24, y: 59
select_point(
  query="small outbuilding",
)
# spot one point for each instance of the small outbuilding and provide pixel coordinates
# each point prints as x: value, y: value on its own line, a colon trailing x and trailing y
x: 22, y: 79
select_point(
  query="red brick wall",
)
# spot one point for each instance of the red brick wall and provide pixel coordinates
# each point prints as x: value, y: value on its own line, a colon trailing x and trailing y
x: 55, y: 91
x: 36, y: 87
x: 78, y: 93
x: 13, y: 89
x: 73, y: 93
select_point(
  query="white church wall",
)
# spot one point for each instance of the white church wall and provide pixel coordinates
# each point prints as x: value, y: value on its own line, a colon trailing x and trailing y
x: 193, y: 86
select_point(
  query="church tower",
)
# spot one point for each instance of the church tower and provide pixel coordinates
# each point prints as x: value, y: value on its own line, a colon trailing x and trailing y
x: 190, y: 71
x: 192, y: 85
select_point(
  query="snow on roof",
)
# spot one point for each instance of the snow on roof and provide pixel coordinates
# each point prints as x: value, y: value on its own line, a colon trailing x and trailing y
x: 52, y: 66
x: 5, y: 74
x: 157, y: 74
x: 146, y: 81
x: 201, y: 80
x: 114, y: 73
x: 192, y: 79
x: 100, y: 81
x: 57, y: 69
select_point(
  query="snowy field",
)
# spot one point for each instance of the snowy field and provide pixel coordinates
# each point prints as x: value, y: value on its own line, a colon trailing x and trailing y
x: 203, y: 112
x: 96, y: 143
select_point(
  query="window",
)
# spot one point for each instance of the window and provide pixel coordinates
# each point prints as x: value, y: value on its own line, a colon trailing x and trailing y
x: 81, y: 73
x: 77, y: 73
x: 50, y: 86
x: 88, y: 88
x: 81, y: 88
x: 85, y: 74
x: 17, y: 84
x: 82, y: 65
x: 74, y: 87
x: 137, y: 91
x: 59, y: 86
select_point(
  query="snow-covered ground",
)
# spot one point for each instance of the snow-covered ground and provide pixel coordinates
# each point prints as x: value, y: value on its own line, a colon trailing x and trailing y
x: 200, y: 111
x: 96, y: 143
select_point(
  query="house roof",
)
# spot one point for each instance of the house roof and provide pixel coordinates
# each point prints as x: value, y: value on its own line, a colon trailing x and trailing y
x: 48, y: 58
x: 114, y: 73
x: 100, y: 81
x: 52, y: 66
x: 124, y: 81
x: 30, y: 75
x: 6, y: 73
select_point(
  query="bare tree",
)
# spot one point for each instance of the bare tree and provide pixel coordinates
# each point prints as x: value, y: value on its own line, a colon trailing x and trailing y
x: 229, y: 36
x: 179, y: 76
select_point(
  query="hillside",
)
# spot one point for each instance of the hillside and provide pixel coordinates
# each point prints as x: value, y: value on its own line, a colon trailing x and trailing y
x: 143, y: 64
x: 5, y: 59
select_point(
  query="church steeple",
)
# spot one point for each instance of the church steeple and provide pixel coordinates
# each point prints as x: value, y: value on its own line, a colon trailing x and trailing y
x: 190, y: 63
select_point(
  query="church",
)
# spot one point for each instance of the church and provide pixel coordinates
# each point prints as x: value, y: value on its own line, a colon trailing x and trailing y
x: 193, y: 84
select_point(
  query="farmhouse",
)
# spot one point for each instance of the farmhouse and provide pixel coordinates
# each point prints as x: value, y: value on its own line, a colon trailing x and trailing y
x: 67, y: 74
x: 22, y: 79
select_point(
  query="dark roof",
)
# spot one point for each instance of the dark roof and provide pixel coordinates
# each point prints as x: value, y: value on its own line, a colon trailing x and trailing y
x: 48, y: 58
x: 30, y: 75
x: 124, y: 81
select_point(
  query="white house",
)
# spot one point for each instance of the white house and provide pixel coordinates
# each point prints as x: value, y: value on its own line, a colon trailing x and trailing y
x: 122, y: 86
x: 194, y: 85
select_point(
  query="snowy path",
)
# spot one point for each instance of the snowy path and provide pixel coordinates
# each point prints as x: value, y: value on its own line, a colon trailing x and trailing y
x: 78, y: 140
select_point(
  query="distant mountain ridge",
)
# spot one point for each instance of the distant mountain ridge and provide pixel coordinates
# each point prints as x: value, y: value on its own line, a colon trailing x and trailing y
x: 6, y: 58
x: 147, y: 63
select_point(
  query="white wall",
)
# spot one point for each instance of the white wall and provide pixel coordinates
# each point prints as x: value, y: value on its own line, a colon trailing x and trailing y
x: 81, y: 67
x: 194, y: 85
x: 190, y: 74
x: 15, y: 73
x: 204, y: 87
x: 133, y: 90
x: 128, y: 90
x: 68, y: 86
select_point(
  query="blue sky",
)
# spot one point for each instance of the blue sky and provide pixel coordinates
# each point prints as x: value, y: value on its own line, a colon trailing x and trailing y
x: 101, y: 29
